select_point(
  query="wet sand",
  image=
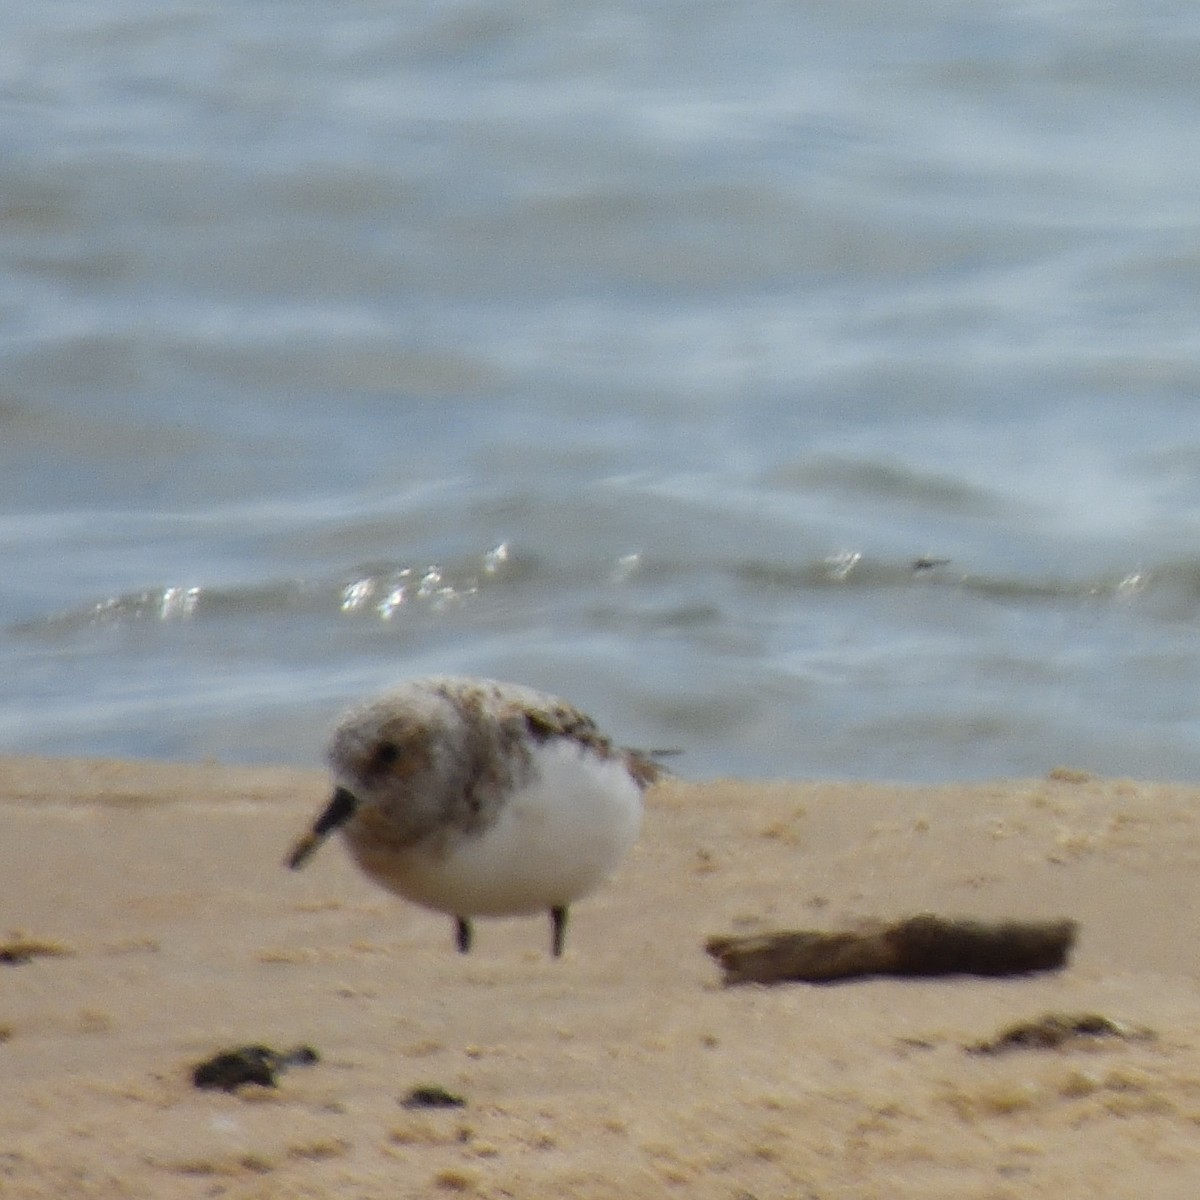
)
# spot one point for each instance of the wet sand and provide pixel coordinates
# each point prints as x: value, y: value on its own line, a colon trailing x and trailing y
x: 169, y: 929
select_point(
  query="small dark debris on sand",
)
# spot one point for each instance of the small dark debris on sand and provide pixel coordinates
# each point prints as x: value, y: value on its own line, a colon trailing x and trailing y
x: 19, y: 950
x: 230, y: 1069
x: 1055, y: 1030
x: 432, y: 1095
x: 924, y: 945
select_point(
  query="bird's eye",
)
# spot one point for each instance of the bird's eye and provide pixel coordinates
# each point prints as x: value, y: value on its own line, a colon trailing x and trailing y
x: 384, y: 756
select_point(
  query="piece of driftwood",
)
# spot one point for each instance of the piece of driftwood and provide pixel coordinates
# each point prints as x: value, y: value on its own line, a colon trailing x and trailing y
x: 20, y: 950
x: 921, y: 945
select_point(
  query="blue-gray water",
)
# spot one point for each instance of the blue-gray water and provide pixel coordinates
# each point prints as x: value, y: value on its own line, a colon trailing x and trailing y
x: 638, y: 351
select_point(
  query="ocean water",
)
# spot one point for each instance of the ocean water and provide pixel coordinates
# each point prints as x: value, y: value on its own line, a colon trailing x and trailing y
x: 813, y: 388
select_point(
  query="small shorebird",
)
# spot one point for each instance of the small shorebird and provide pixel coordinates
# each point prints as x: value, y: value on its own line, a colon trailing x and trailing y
x: 481, y: 799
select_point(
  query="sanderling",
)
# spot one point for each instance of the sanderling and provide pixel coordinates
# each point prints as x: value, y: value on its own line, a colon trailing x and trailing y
x: 481, y: 799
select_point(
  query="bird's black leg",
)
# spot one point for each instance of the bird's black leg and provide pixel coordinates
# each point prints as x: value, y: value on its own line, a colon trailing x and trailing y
x: 462, y: 934
x: 558, y: 928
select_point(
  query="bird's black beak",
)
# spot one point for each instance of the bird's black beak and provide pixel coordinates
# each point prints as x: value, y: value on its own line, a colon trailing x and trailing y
x: 337, y: 812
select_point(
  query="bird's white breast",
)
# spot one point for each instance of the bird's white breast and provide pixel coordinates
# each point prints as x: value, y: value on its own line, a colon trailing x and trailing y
x: 556, y: 837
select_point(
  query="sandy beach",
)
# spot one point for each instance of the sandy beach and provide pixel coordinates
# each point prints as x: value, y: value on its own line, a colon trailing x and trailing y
x: 152, y: 924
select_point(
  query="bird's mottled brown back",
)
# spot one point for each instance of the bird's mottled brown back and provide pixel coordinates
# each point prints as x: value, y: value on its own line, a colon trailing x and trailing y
x: 525, y: 712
